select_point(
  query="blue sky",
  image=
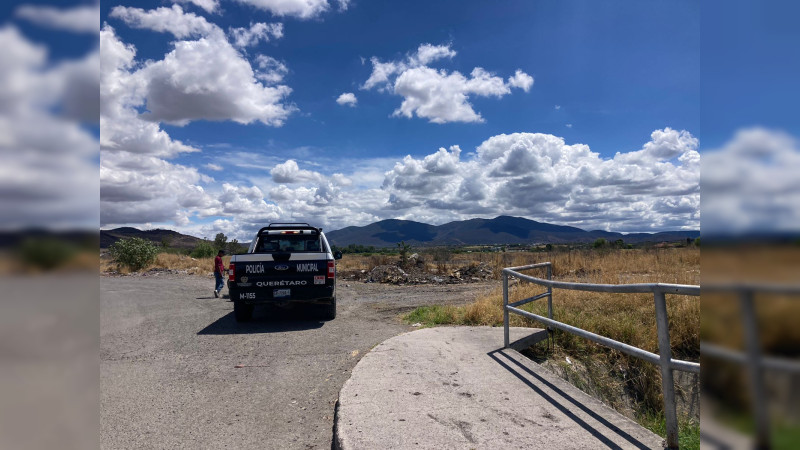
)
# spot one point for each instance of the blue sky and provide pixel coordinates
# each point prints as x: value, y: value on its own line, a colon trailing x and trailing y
x: 619, y: 70
x: 557, y: 111
x: 222, y: 115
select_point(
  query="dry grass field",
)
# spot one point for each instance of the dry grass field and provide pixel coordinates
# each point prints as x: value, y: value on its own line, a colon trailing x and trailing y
x: 725, y: 385
x: 170, y: 261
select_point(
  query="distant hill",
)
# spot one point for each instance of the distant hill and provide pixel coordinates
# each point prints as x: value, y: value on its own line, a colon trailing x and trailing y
x: 83, y: 238
x: 175, y: 239
x: 500, y: 230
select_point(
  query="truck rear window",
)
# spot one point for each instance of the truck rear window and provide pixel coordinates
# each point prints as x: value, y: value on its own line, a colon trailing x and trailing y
x: 288, y: 243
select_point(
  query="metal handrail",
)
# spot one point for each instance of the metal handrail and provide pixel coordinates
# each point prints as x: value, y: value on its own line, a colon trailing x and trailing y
x: 663, y: 359
x: 752, y: 357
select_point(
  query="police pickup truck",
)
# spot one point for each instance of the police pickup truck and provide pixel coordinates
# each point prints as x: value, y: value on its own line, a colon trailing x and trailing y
x: 286, y: 264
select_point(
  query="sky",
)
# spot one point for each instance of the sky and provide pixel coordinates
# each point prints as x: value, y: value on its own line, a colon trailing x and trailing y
x: 224, y: 115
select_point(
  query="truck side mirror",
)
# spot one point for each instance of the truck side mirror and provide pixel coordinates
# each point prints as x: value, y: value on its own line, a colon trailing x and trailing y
x: 337, y: 255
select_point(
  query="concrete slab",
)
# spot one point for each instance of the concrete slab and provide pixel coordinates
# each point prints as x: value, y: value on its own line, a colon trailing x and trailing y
x: 455, y: 387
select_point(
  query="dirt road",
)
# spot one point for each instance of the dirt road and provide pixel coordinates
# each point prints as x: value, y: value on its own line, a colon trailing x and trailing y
x: 170, y: 353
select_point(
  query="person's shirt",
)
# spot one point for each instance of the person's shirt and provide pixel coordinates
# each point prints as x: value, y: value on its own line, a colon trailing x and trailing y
x: 218, y: 267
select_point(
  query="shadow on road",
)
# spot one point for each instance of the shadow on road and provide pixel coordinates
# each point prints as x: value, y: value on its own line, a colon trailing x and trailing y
x: 211, y: 297
x: 264, y: 321
x: 563, y: 401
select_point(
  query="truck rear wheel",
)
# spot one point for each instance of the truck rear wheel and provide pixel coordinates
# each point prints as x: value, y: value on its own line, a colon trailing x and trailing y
x: 329, y: 311
x: 242, y: 312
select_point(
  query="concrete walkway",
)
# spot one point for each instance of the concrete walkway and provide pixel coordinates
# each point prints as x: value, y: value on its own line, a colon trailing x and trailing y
x: 455, y: 387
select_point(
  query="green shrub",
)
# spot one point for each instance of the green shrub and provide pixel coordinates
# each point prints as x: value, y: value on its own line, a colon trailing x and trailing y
x: 46, y: 253
x: 136, y: 253
x: 204, y: 250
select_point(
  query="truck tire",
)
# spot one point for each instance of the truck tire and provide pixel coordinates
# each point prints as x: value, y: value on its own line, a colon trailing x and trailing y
x: 242, y: 312
x: 329, y: 311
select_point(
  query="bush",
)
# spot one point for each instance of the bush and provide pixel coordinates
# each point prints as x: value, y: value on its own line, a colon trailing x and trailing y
x: 46, y: 253
x: 136, y: 253
x: 204, y: 250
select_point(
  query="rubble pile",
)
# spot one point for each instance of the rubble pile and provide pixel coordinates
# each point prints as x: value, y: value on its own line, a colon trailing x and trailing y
x: 473, y: 272
x: 387, y: 274
x: 415, y: 272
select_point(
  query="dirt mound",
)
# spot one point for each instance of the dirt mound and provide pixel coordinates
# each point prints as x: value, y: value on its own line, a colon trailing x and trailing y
x: 416, y: 274
x: 473, y: 272
x: 387, y: 274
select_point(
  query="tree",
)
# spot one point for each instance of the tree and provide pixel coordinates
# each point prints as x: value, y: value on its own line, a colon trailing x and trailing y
x: 235, y: 247
x: 204, y: 249
x: 600, y: 243
x: 220, y: 241
x: 404, y: 249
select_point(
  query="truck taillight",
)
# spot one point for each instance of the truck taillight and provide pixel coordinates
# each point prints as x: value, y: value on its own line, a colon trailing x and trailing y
x: 331, y: 269
x: 232, y: 272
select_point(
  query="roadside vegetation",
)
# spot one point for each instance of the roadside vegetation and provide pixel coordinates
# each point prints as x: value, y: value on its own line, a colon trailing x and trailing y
x: 135, y: 254
x: 55, y: 253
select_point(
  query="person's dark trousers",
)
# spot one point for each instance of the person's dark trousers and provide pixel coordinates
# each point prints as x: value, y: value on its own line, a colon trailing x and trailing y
x: 220, y: 282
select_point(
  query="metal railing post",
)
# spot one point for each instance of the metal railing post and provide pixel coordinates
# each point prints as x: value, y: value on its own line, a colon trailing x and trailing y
x: 667, y: 382
x: 755, y: 371
x: 550, y: 295
x: 505, y: 310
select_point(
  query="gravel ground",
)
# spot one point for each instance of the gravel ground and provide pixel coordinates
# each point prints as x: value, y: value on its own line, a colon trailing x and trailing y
x: 177, y: 371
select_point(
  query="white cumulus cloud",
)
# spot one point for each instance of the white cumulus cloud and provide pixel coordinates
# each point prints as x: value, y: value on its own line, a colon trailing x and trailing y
x: 209, y: 6
x: 436, y: 94
x: 290, y: 172
x: 203, y: 77
x: 521, y: 80
x: 48, y: 177
x: 77, y: 19
x: 247, y: 37
x: 302, y: 9
x: 165, y: 20
x: 208, y: 79
x: 347, y: 98
x: 540, y: 176
x: 751, y: 184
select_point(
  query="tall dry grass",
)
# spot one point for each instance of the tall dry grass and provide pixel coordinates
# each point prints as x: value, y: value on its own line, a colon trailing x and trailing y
x: 777, y: 316
x: 605, y: 266
x: 170, y: 261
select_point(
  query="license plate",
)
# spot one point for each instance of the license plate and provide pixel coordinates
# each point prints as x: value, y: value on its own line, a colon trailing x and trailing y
x: 319, y: 279
x: 280, y: 293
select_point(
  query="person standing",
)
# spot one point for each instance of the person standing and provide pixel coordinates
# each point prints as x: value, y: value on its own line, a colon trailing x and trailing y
x: 219, y: 270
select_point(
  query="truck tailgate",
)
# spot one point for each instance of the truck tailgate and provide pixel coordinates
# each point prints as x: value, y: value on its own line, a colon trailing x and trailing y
x: 295, y: 279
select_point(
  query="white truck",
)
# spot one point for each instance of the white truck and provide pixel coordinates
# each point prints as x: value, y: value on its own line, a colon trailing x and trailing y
x: 287, y: 264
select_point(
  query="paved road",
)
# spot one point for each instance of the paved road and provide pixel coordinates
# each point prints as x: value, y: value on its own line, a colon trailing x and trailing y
x: 170, y: 351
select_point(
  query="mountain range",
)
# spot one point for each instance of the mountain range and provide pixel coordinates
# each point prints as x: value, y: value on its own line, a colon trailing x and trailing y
x: 387, y: 233
x: 500, y: 230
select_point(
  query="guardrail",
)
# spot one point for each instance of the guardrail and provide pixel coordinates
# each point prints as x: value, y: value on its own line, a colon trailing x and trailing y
x: 663, y: 358
x: 752, y: 357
